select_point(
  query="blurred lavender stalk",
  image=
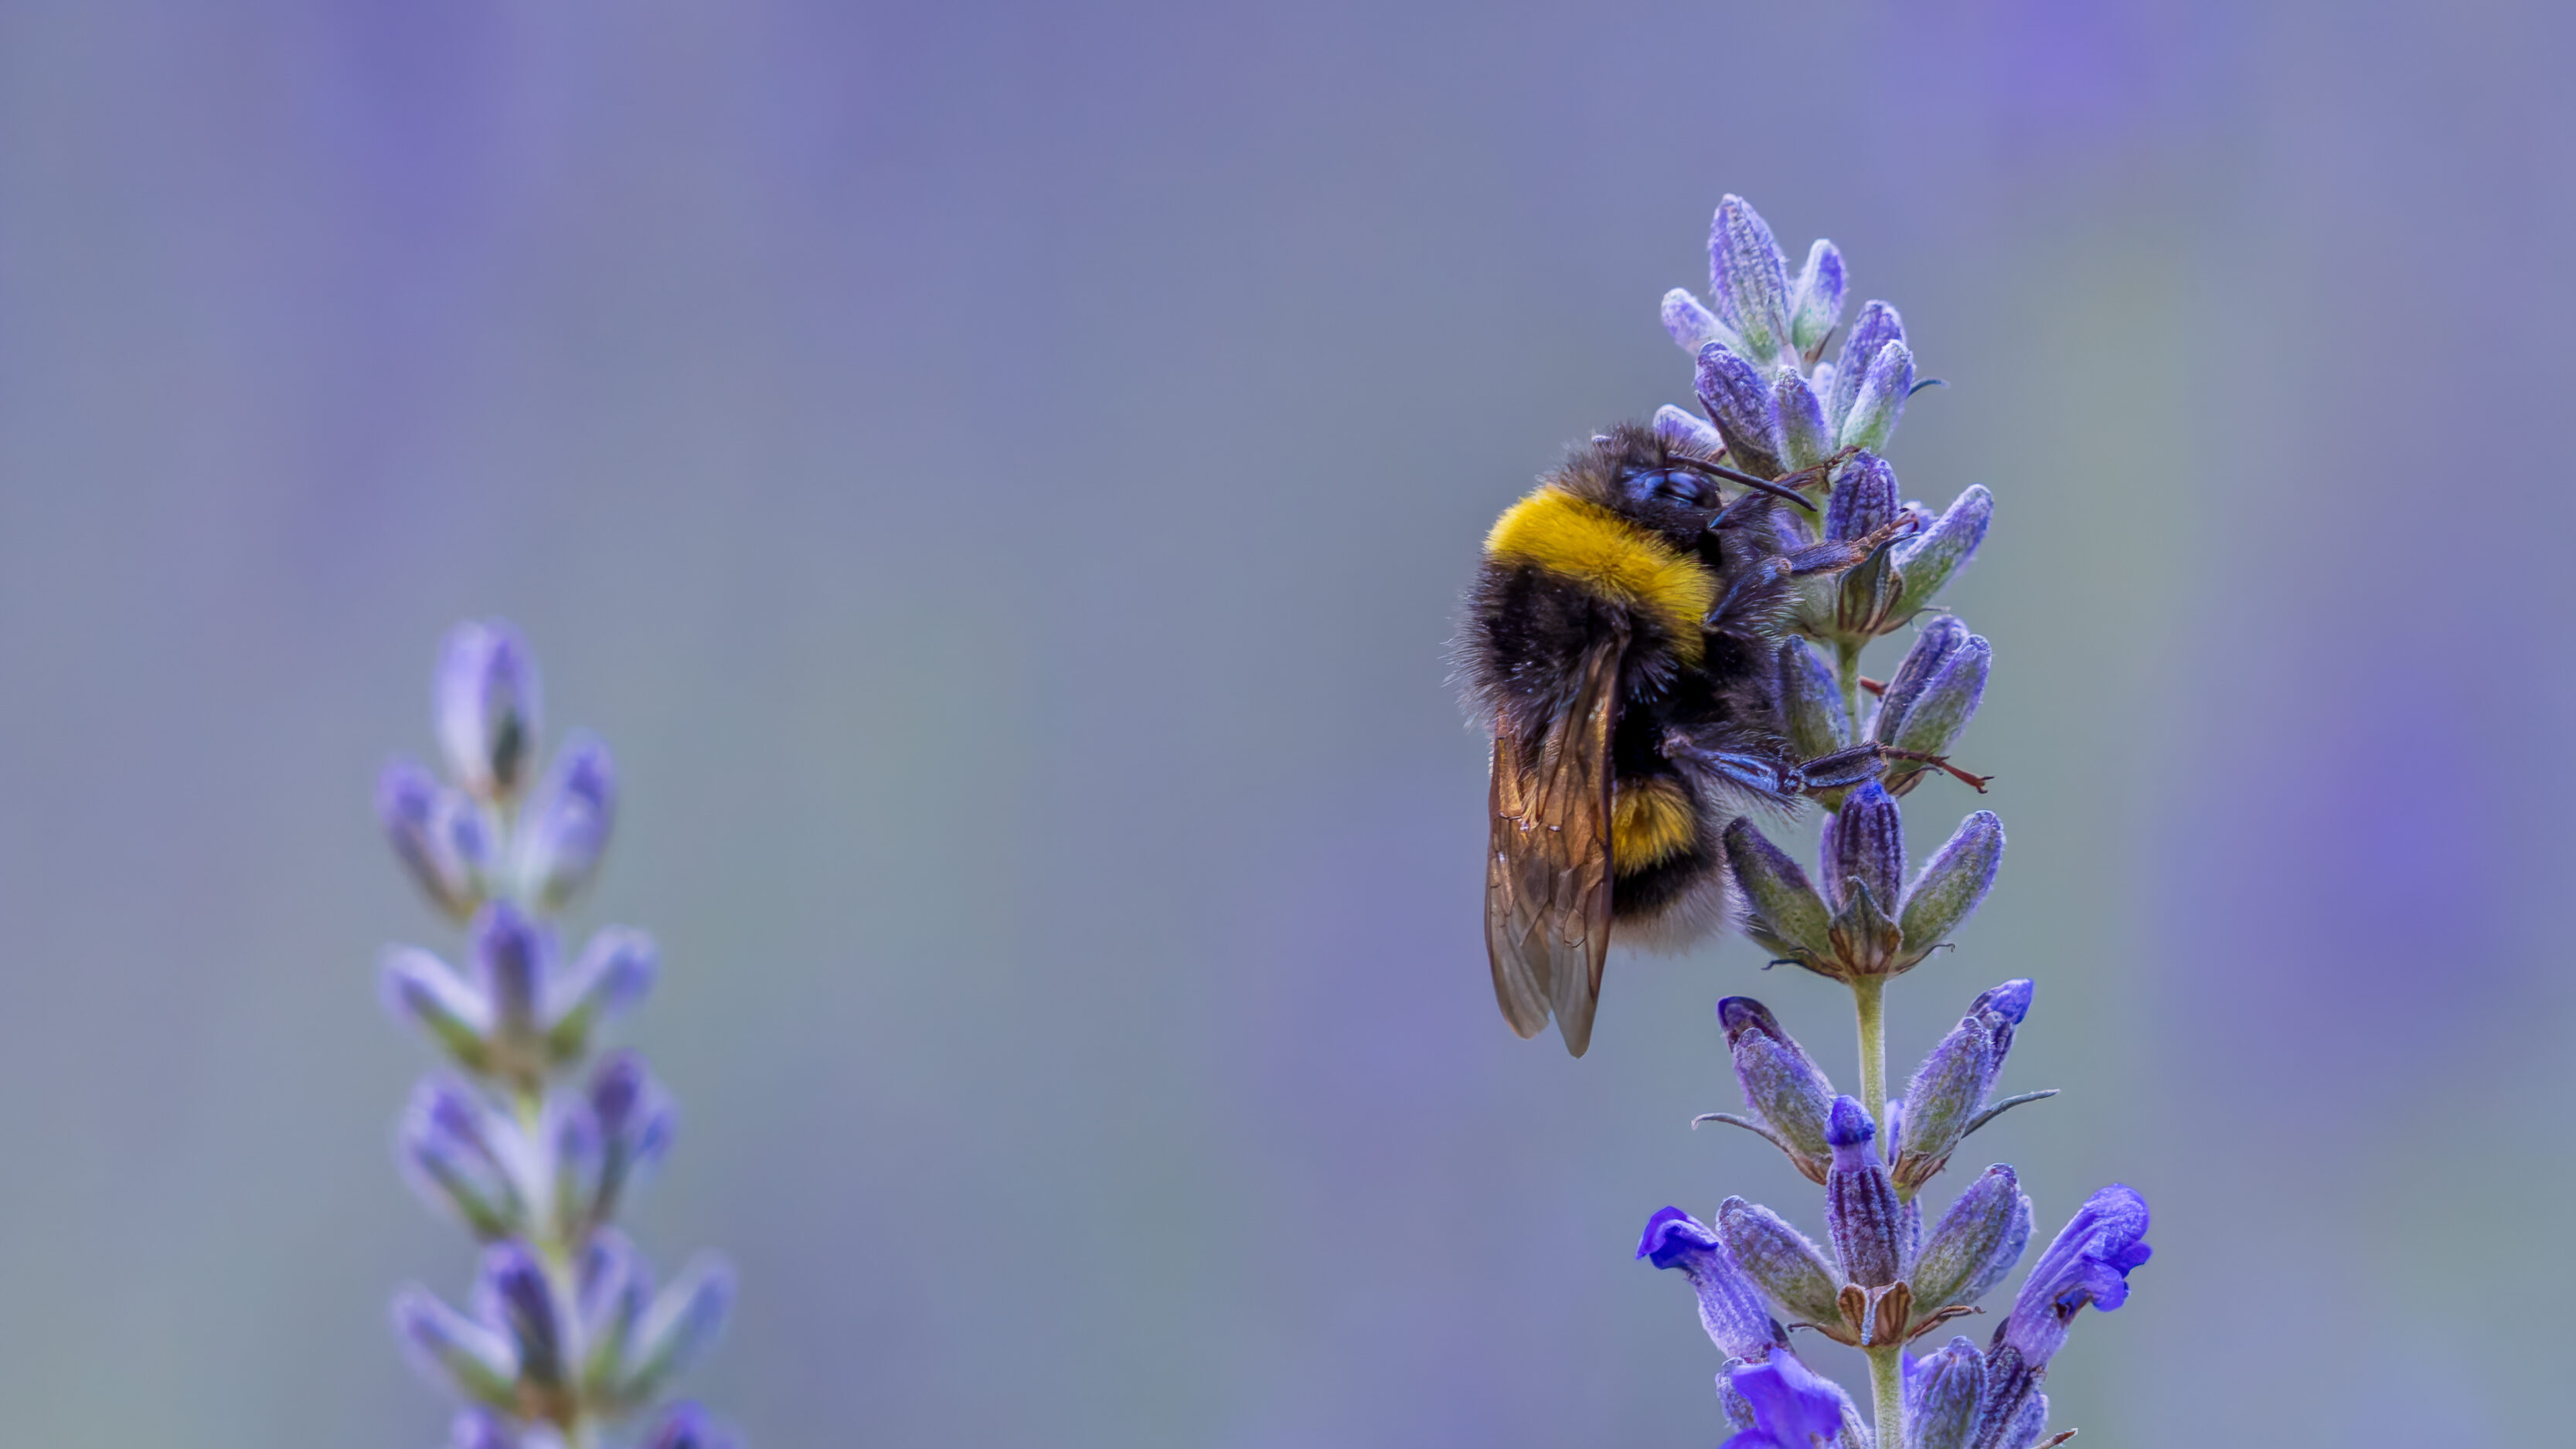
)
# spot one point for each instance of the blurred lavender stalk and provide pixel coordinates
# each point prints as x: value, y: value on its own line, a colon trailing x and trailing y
x: 532, y: 1142
x: 1879, y: 1283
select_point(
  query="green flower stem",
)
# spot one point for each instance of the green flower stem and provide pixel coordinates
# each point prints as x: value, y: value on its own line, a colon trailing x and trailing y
x: 1887, y: 1394
x: 1847, y: 675
x: 1867, y: 1004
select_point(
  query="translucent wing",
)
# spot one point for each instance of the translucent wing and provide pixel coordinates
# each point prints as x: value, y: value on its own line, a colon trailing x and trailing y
x: 1547, y: 879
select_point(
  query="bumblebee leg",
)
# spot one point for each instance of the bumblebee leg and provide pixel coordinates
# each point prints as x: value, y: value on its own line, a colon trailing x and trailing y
x: 1834, y: 556
x: 1840, y: 769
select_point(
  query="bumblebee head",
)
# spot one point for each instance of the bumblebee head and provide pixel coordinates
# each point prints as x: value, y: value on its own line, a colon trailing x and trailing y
x: 1657, y: 484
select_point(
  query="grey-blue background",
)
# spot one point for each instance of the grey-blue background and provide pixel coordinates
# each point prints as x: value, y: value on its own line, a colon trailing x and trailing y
x: 999, y: 475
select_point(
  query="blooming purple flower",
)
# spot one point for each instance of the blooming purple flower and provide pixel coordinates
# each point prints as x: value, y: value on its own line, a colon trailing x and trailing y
x: 1730, y: 1306
x: 2089, y: 1263
x: 1792, y: 1407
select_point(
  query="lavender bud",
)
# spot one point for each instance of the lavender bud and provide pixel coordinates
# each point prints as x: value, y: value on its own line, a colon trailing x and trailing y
x: 1936, y: 717
x: 1947, y: 1092
x: 1804, y: 439
x: 511, y: 954
x: 682, y: 1324
x: 469, y: 1359
x: 1730, y: 1306
x: 1978, y: 1242
x: 636, y: 1121
x: 1779, y: 1258
x: 450, y: 1150
x: 1749, y: 279
x: 488, y: 708
x: 1738, y: 398
x: 1692, y: 325
x: 2088, y: 1263
x: 684, y: 1426
x: 2011, y: 1383
x: 1784, y: 912
x: 1946, y: 893
x: 1929, y: 558
x: 1933, y: 645
x: 1941, y: 1394
x: 1816, y: 298
x: 612, y: 1292
x: 612, y: 973
x: 1810, y: 704
x: 1880, y: 400
x: 1876, y: 327
x: 566, y: 827
x: 2027, y: 1424
x: 1861, y: 1210
x: 437, y: 833
x: 1864, y: 846
x: 511, y: 1290
x: 579, y: 1161
x: 425, y: 993
x: 1864, y: 497
x: 1684, y: 433
x: 1781, y: 1084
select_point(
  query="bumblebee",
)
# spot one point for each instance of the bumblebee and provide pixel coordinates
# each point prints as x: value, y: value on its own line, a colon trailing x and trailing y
x: 1622, y: 641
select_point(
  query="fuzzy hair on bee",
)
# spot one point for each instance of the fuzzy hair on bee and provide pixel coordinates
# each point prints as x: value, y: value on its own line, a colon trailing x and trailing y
x: 1621, y: 642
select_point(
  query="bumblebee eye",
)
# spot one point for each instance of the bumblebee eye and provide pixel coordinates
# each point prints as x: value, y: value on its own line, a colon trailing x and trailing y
x: 1674, y: 486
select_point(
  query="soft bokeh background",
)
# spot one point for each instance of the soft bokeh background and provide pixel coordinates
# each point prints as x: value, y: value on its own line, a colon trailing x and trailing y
x: 999, y: 475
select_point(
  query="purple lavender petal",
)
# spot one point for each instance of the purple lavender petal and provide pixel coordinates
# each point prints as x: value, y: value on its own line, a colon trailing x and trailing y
x: 1879, y: 402
x: 1864, y: 845
x: 1738, y: 398
x: 436, y: 833
x: 1805, y: 439
x: 1692, y: 325
x: 565, y: 829
x: 1816, y: 298
x: 1687, y: 434
x: 1877, y: 326
x: 421, y: 991
x: 511, y: 1290
x: 1864, y: 497
x: 1933, y: 646
x: 612, y: 973
x: 683, y: 1323
x: 472, y: 1360
x: 1730, y: 1306
x: 1952, y: 884
x: 512, y: 955
x: 1790, y: 1403
x: 1749, y: 279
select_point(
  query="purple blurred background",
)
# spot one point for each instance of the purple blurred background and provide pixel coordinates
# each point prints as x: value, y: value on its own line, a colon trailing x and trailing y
x: 1000, y: 476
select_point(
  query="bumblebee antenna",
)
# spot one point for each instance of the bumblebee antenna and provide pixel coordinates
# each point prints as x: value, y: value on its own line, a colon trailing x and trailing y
x: 1718, y: 470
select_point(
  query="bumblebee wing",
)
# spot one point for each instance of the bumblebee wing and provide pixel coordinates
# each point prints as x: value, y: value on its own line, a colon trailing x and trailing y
x: 1547, y: 879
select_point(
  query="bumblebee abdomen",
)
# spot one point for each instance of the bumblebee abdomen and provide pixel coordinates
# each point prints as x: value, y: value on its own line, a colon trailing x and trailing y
x: 1652, y: 821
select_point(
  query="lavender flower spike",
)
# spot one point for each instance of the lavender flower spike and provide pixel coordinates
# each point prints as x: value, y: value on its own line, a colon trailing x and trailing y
x: 2089, y: 1263
x: 1730, y: 1306
x: 533, y: 1149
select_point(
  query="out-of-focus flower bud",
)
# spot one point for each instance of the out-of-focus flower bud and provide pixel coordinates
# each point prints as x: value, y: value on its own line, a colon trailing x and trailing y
x: 1730, y: 1306
x: 1877, y: 326
x: 423, y: 992
x: 1784, y: 913
x: 1738, y: 397
x: 577, y: 1158
x: 1805, y: 440
x: 1684, y: 433
x: 1930, y: 557
x: 1780, y: 1259
x: 1880, y: 399
x: 1941, y: 1393
x: 1749, y: 280
x: 488, y: 708
x: 565, y: 829
x: 1865, y: 1220
x: 1979, y: 1240
x: 1947, y: 890
x: 636, y: 1121
x: 438, y: 833
x: 512, y: 1292
x: 512, y: 956
x: 2087, y: 1264
x: 682, y: 1324
x: 1810, y: 704
x: 613, y: 1291
x: 612, y: 973
x: 685, y: 1426
x: 1789, y: 1096
x: 458, y: 1158
x: 471, y: 1360
x: 1816, y: 299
